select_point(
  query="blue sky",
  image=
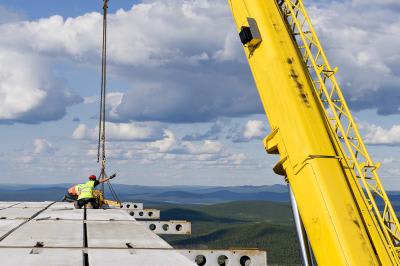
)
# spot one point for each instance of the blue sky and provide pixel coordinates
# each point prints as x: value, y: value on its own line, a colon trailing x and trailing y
x: 182, y: 105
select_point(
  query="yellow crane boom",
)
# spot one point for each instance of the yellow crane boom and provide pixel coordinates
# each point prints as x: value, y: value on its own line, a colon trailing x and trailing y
x: 343, y: 206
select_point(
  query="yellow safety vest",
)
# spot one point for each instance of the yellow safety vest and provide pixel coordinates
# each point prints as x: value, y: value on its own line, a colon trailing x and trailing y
x: 78, y: 188
x: 86, y: 190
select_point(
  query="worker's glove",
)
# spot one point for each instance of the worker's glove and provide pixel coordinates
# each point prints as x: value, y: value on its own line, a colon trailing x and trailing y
x: 112, y: 176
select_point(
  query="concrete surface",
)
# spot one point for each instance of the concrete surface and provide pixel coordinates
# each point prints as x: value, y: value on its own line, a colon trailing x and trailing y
x: 61, y: 214
x: 18, y: 213
x: 40, y: 257
x: 131, y: 257
x: 117, y: 234
x: 50, y: 233
x: 57, y: 234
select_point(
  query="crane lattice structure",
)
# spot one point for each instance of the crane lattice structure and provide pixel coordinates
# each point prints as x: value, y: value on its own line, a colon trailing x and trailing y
x: 354, y: 154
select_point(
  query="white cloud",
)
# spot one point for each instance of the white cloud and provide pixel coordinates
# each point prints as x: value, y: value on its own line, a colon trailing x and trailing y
x: 167, y: 144
x: 380, y: 136
x: 113, y: 100
x: 254, y: 129
x: 199, y: 74
x: 121, y: 132
x: 171, y: 144
x: 29, y: 92
x: 206, y: 147
x: 43, y: 146
x: 181, y: 56
x: 141, y: 35
x: 19, y: 86
x: 84, y: 132
x: 171, y: 150
x: 207, y: 152
x: 132, y: 131
x: 231, y: 50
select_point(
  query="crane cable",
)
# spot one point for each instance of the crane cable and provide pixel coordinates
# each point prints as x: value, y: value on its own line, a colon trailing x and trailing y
x: 101, y: 147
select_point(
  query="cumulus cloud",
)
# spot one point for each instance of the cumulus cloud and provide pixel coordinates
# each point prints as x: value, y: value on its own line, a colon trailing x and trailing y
x: 171, y: 144
x: 121, y: 132
x: 168, y: 144
x: 217, y: 84
x: 254, y: 129
x: 43, y: 146
x: 28, y: 91
x: 378, y: 135
x: 207, y: 147
x: 200, y: 74
x: 171, y: 148
x: 196, y: 76
x: 139, y: 34
x: 113, y: 100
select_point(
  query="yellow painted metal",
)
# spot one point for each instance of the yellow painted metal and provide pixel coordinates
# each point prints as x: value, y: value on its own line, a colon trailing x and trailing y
x: 321, y: 151
x: 99, y: 195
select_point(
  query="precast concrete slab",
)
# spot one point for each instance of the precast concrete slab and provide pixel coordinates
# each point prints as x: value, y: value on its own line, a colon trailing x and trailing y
x: 47, y: 233
x: 62, y: 205
x: 40, y: 257
x: 58, y: 235
x: 7, y: 204
x: 231, y: 257
x: 148, y: 214
x: 143, y: 257
x: 169, y: 227
x: 122, y: 234
x: 7, y: 225
x: 132, y: 206
x: 108, y: 215
x: 61, y: 214
x: 42, y: 204
x: 18, y: 213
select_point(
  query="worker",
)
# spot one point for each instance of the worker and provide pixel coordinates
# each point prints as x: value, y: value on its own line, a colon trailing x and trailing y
x: 86, y: 191
x: 73, y: 193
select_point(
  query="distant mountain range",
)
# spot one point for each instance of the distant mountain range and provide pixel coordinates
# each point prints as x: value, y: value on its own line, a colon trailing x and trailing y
x: 165, y: 194
x: 155, y: 195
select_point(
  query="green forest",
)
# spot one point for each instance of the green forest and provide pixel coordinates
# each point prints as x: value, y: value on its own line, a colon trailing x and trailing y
x: 246, y: 224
